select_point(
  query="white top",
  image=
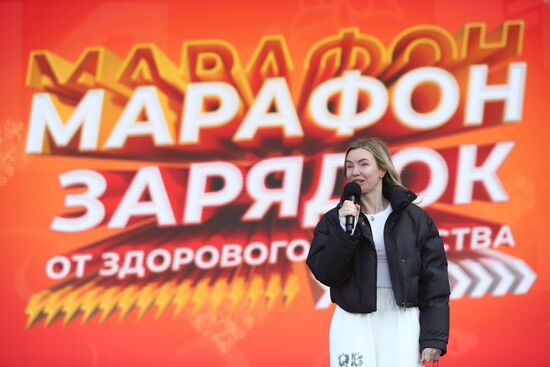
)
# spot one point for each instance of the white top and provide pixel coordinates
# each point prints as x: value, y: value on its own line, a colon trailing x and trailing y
x: 377, y: 222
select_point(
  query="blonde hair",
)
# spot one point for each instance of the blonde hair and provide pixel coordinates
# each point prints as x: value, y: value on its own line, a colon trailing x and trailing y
x: 382, y: 156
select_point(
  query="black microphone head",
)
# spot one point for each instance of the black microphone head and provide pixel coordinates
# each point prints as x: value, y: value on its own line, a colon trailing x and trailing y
x: 352, y: 189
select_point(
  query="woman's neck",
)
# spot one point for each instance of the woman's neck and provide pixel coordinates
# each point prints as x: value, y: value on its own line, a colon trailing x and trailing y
x: 373, y: 202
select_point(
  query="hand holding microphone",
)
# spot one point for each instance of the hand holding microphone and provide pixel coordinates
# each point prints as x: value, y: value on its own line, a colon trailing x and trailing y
x: 430, y: 355
x: 350, y: 208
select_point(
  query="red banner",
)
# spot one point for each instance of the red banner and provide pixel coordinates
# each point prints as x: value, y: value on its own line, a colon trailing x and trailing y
x: 164, y: 165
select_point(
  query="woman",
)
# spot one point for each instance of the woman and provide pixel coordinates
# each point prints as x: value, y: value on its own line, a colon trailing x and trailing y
x: 388, y: 277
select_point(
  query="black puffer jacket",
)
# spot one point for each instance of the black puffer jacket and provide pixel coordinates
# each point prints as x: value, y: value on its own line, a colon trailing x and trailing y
x: 416, y: 260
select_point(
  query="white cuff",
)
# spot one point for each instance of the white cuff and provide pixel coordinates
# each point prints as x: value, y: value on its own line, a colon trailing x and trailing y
x: 343, y: 224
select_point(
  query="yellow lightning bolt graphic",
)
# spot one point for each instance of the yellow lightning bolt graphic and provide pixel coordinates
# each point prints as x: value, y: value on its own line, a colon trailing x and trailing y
x: 108, y: 301
x: 219, y: 293
x: 89, y: 302
x: 164, y: 296
x: 182, y: 296
x: 35, y: 306
x: 273, y: 289
x: 71, y: 303
x: 255, y: 290
x: 146, y: 298
x: 127, y: 300
x: 200, y: 295
x: 237, y: 293
x: 292, y: 287
x: 53, y: 304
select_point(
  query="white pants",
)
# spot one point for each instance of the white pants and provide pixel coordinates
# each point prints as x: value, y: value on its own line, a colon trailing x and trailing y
x: 385, y: 338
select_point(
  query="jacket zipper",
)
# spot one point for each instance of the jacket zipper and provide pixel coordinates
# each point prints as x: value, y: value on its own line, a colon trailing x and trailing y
x: 397, y: 264
x: 372, y: 247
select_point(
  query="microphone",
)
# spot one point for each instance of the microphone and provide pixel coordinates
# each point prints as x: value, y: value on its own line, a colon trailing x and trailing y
x: 352, y: 192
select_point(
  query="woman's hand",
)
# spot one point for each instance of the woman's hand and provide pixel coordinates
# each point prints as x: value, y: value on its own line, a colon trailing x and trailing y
x: 430, y: 354
x: 349, y: 208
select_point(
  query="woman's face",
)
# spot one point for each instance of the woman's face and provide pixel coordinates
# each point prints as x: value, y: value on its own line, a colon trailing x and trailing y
x: 361, y: 167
